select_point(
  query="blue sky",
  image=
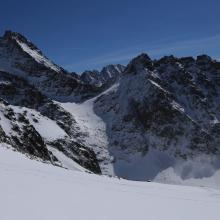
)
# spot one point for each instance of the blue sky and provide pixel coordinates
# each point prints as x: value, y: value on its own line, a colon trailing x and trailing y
x: 88, y: 34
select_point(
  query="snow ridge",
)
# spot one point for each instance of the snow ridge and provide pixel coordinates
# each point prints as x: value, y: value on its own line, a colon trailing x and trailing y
x: 38, y: 57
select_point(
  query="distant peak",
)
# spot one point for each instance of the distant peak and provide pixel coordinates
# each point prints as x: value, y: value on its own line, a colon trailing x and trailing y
x: 11, y: 35
x: 168, y: 59
x: 139, y: 62
x: 142, y: 57
x: 8, y: 33
x: 187, y: 59
x: 116, y: 67
x: 28, y: 48
x: 204, y: 57
x: 19, y: 38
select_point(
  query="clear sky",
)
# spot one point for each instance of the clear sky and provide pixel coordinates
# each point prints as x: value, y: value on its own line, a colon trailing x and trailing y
x: 88, y: 34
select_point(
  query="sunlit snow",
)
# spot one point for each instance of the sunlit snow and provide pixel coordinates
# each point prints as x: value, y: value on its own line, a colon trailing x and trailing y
x: 33, y: 190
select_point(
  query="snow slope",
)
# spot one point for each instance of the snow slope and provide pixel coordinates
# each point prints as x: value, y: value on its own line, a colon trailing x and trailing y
x: 94, y: 128
x: 65, y: 161
x: 33, y: 190
x: 46, y: 127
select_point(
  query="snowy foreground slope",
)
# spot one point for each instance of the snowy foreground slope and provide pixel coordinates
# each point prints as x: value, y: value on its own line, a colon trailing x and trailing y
x: 34, y: 190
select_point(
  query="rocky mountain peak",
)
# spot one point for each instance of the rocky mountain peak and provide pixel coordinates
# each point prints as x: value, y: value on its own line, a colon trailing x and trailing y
x: 141, y: 59
x: 140, y: 62
x: 20, y: 57
x: 203, y: 59
x: 104, y: 78
x: 168, y: 59
x: 113, y: 68
x: 19, y: 39
x: 187, y: 60
x: 11, y: 34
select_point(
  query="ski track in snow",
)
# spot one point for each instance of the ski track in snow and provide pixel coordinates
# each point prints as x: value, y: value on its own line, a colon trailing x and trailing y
x: 33, y: 190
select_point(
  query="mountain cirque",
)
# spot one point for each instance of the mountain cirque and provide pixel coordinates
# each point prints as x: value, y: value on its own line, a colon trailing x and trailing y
x: 134, y: 122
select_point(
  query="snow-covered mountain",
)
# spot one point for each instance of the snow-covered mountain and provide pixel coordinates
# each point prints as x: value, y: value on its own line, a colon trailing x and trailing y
x: 163, y: 113
x: 30, y: 120
x: 22, y: 58
x: 34, y: 124
x: 152, y: 120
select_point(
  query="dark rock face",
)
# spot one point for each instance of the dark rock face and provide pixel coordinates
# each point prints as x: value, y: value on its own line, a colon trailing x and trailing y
x: 79, y: 153
x: 3, y: 137
x: 139, y: 63
x: 17, y: 91
x: 23, y: 135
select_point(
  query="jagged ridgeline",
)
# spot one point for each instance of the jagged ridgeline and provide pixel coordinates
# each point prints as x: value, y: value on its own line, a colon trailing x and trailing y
x: 132, y: 121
